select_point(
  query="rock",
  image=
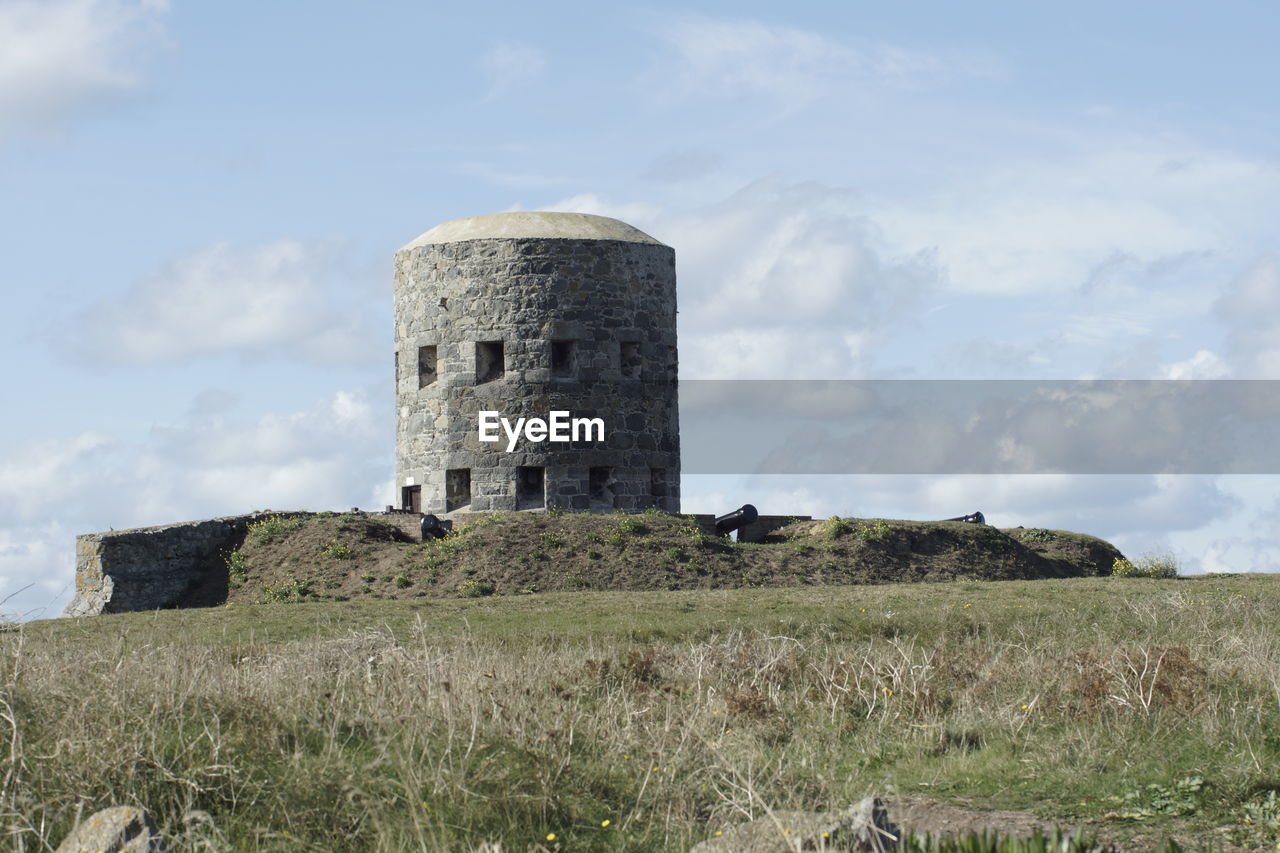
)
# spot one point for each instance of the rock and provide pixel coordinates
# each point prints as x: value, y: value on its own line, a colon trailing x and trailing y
x: 120, y: 829
x: 863, y: 828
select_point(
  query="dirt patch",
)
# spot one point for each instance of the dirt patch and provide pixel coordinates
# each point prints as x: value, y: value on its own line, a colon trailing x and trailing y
x: 923, y: 816
x: 356, y: 555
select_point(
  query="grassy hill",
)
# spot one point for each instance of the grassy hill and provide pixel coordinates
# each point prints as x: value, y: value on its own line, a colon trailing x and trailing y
x: 339, y: 557
x: 648, y: 720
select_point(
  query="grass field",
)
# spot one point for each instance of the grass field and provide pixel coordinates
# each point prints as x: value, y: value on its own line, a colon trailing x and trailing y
x: 649, y: 720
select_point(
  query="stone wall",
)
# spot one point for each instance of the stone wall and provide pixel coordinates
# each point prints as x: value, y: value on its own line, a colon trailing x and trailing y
x: 525, y: 314
x: 148, y: 568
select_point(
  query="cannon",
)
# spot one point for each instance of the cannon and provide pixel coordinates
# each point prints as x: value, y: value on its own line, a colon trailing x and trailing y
x: 741, y: 517
x: 974, y: 517
x: 434, y: 528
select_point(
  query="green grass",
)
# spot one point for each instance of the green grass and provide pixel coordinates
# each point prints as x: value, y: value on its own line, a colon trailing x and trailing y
x: 338, y: 550
x: 271, y: 526
x: 1141, y: 707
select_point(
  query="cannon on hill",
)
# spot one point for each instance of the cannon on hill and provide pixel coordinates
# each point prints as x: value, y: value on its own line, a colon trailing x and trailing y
x: 434, y: 528
x: 974, y: 517
x: 741, y: 517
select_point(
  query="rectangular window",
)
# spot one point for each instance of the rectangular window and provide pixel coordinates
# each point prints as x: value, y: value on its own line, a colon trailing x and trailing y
x: 530, y: 487
x: 562, y: 366
x: 630, y: 360
x: 600, y: 487
x: 457, y: 488
x: 426, y: 365
x: 489, y: 361
x: 658, y: 484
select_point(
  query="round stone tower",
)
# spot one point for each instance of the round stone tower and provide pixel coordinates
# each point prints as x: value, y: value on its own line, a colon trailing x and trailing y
x: 563, y: 319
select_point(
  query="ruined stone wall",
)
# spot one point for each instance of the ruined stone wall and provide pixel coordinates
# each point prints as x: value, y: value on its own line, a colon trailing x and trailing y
x: 148, y: 568
x: 583, y: 322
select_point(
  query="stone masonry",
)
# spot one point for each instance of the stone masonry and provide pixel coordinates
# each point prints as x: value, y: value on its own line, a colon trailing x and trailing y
x: 525, y: 314
x: 147, y: 568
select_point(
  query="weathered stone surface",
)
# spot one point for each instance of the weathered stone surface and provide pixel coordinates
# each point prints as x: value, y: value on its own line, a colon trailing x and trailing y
x: 526, y: 224
x: 147, y: 568
x: 864, y: 828
x: 120, y: 829
x: 525, y: 314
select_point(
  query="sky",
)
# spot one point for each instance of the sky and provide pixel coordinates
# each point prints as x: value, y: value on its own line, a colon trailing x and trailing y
x: 199, y: 204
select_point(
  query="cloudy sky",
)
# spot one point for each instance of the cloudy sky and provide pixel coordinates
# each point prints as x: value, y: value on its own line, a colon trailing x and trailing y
x: 199, y: 204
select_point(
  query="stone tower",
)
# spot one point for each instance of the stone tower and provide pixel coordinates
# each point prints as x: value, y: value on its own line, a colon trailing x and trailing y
x: 525, y: 315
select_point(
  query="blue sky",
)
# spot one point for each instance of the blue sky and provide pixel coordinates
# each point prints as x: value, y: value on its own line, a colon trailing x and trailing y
x: 199, y: 204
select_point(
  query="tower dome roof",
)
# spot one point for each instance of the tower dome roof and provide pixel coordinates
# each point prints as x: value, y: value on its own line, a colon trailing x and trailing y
x: 533, y: 224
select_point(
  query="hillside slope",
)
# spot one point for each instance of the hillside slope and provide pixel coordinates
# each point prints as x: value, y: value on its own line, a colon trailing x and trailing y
x: 638, y: 721
x: 340, y: 557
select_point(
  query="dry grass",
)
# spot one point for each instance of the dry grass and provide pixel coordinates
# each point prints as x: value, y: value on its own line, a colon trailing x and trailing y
x: 452, y: 725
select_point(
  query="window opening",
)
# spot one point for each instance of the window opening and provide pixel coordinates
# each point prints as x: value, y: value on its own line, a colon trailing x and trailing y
x: 530, y: 487
x: 457, y: 488
x: 562, y: 353
x: 630, y: 360
x: 600, y: 487
x: 426, y: 365
x: 489, y: 361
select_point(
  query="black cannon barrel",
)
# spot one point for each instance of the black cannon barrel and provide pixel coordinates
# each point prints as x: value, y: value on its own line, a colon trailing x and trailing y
x: 974, y: 517
x: 740, y: 517
x: 434, y: 528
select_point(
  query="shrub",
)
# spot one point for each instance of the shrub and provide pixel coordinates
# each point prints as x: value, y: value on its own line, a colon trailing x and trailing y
x: 338, y: 551
x: 476, y: 589
x: 1147, y: 566
x: 876, y: 530
x: 630, y: 525
x: 237, y: 566
x: 1261, y: 820
x: 835, y: 527
x: 268, y: 527
x: 1122, y: 568
x: 1180, y: 798
x: 291, y: 591
x: 1159, y: 566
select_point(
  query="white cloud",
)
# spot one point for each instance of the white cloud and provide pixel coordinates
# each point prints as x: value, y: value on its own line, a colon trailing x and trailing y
x: 781, y: 280
x: 326, y: 457
x: 333, y: 455
x: 1250, y: 307
x: 226, y: 299
x: 60, y: 56
x: 34, y: 578
x: 44, y: 475
x: 510, y: 67
x: 1203, y: 365
x: 747, y: 58
x: 1100, y: 221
